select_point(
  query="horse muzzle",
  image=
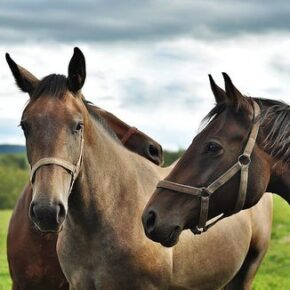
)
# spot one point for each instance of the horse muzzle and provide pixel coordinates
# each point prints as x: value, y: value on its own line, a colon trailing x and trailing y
x: 167, y: 236
x: 47, y: 217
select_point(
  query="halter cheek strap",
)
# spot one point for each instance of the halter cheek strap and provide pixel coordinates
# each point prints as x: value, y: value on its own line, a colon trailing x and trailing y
x: 73, y: 169
x: 204, y: 193
x: 131, y: 131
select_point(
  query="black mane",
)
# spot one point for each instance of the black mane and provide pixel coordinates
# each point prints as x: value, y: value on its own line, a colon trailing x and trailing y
x: 275, y: 118
x: 53, y: 85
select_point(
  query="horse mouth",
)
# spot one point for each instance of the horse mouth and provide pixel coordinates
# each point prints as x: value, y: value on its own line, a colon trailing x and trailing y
x: 47, y: 230
x: 172, y: 238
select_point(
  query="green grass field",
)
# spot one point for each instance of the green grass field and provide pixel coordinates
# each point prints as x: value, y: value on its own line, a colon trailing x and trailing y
x: 274, y: 273
x: 5, y: 283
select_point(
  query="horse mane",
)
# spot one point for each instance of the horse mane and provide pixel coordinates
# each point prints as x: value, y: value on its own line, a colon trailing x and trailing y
x: 214, y: 112
x: 99, y: 119
x: 275, y: 118
x: 53, y: 85
x: 245, y: 103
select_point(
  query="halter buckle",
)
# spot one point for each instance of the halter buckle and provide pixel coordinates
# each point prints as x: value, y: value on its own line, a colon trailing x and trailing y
x: 196, y: 230
x: 244, y: 160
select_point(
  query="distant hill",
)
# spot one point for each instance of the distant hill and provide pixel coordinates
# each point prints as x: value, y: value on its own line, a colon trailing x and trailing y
x: 6, y: 148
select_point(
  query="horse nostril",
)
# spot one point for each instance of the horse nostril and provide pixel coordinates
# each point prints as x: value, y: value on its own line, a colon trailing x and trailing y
x: 47, y: 216
x: 153, y: 151
x: 61, y: 213
x: 31, y: 211
x: 151, y: 221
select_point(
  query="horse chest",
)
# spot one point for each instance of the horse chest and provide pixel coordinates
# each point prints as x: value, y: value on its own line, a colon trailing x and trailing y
x: 108, y: 264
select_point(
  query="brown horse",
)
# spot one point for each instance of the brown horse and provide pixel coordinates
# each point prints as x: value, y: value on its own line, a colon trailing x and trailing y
x: 241, y: 153
x: 131, y: 137
x: 92, y: 190
x: 29, y: 249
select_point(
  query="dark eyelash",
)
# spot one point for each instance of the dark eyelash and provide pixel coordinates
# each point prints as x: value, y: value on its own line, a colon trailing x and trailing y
x: 79, y: 127
x: 21, y: 124
x: 216, y: 146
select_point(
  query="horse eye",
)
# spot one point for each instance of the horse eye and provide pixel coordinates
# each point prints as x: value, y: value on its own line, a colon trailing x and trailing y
x: 23, y: 125
x: 79, y: 126
x: 213, y: 148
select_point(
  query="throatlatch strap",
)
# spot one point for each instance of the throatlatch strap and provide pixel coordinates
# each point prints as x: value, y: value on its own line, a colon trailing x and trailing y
x: 254, y: 132
x: 245, y: 167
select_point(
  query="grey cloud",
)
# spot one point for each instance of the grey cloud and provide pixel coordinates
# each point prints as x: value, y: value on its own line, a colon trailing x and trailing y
x: 129, y: 20
x: 136, y: 93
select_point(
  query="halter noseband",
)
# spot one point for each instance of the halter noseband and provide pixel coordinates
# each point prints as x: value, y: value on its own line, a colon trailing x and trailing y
x: 131, y: 131
x: 205, y: 193
x: 73, y: 169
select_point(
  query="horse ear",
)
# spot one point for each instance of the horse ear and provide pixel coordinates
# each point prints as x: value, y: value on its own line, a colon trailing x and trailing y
x: 76, y: 71
x: 25, y: 80
x: 233, y: 93
x: 219, y: 94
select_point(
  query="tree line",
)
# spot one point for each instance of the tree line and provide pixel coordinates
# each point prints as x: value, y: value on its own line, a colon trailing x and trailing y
x: 14, y: 174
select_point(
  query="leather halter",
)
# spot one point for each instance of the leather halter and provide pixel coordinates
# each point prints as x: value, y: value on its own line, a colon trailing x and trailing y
x: 131, y: 131
x: 204, y: 193
x: 73, y: 169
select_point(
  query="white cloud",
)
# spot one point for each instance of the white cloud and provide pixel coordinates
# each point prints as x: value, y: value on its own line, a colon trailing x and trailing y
x: 161, y: 87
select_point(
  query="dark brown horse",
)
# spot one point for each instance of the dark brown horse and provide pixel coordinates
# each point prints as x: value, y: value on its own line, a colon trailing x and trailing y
x: 241, y: 153
x: 93, y: 190
x: 32, y: 258
x: 131, y: 137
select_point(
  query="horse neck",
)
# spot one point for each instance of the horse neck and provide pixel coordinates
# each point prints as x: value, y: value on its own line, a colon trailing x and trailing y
x: 275, y: 120
x: 279, y: 181
x: 118, y: 125
x: 114, y: 183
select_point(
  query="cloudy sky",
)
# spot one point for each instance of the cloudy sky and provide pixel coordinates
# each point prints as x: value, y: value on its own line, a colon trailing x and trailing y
x: 148, y: 61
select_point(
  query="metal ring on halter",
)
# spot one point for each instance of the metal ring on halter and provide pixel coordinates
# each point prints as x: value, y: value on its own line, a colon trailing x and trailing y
x: 244, y: 160
x: 204, y: 192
